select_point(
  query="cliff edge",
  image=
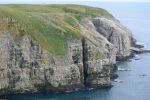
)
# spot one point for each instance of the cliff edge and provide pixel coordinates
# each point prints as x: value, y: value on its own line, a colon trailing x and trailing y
x: 59, y: 47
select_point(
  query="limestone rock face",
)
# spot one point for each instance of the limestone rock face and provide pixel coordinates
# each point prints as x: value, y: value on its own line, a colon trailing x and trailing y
x: 99, y: 54
x: 116, y: 33
x: 26, y: 67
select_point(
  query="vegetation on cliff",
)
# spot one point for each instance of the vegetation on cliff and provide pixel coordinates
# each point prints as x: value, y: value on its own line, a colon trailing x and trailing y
x: 50, y: 25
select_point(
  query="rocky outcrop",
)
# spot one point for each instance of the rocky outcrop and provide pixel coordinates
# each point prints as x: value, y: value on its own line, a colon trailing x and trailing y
x: 26, y: 67
x: 117, y: 34
x: 100, y: 54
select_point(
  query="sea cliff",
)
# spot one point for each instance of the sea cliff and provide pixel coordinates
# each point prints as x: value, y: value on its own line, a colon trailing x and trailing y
x: 59, y: 47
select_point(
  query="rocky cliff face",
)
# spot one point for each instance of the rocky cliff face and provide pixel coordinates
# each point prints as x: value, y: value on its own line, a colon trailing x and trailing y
x: 26, y: 67
x: 117, y: 34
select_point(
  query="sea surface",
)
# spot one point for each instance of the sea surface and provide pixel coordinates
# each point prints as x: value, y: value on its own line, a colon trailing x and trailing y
x: 133, y: 84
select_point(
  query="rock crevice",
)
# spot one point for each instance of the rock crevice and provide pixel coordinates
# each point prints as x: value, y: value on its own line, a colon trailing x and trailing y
x: 85, y: 60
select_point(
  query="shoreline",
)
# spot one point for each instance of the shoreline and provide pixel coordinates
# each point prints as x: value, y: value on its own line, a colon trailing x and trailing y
x: 74, y: 88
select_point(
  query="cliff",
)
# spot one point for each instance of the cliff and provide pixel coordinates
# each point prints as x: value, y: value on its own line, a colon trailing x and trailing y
x: 58, y: 47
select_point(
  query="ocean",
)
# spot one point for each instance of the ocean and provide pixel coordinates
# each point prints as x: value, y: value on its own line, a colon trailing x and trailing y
x: 133, y: 84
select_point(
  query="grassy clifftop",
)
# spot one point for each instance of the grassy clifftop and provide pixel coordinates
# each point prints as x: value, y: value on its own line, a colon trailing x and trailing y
x: 50, y: 25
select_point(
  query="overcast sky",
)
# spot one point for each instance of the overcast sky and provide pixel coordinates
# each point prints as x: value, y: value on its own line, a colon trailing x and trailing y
x: 62, y: 1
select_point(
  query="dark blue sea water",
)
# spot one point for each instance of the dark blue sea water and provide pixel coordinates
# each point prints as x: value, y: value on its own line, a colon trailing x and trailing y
x: 135, y: 84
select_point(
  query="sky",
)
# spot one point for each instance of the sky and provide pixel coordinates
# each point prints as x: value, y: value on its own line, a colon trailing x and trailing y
x: 62, y: 1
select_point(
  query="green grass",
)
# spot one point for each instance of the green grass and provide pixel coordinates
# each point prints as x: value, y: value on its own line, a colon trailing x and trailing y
x: 71, y: 21
x: 50, y: 25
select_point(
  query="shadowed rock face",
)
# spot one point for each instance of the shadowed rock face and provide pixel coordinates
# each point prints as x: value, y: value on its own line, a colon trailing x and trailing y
x: 26, y: 67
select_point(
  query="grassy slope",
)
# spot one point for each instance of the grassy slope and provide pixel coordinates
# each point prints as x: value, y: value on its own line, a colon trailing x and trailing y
x: 51, y: 25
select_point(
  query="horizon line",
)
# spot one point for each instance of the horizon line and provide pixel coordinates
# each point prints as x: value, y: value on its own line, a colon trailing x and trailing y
x: 72, y: 2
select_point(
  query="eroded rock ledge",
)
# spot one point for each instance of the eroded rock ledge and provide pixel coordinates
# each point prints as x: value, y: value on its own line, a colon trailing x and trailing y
x: 26, y: 67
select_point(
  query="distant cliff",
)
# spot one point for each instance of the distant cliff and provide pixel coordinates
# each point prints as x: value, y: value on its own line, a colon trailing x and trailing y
x: 59, y: 47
